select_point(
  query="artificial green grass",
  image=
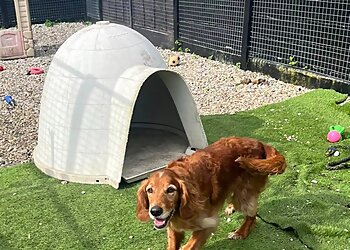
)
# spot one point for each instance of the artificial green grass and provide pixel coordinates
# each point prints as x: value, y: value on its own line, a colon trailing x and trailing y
x: 38, y: 212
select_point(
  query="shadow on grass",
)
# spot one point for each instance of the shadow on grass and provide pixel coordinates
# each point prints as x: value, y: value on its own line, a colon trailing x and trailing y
x: 239, y: 124
x: 32, y: 180
x: 263, y: 236
x: 124, y: 185
x: 4, y: 244
x: 313, y: 218
x: 70, y: 220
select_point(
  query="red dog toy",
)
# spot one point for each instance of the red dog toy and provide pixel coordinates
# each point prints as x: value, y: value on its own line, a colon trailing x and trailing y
x: 2, y: 68
x: 35, y: 71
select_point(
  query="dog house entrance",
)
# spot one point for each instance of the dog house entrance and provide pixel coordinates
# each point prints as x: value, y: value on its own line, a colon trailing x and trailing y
x: 156, y: 134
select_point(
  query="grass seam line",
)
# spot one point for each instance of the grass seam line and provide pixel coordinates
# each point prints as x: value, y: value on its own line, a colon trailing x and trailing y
x: 289, y: 229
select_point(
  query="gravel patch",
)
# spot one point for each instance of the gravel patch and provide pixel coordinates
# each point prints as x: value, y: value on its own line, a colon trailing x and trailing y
x: 217, y: 88
x: 220, y: 88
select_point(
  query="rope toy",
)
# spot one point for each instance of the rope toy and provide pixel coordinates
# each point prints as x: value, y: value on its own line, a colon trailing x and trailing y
x: 340, y: 164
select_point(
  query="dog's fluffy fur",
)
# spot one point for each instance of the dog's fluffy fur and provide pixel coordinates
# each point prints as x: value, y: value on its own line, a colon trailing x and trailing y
x: 188, y: 194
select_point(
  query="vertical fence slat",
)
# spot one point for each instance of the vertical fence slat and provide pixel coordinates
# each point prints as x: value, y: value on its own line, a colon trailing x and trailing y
x: 100, y: 10
x: 131, y: 21
x: 246, y: 33
x: 176, y: 22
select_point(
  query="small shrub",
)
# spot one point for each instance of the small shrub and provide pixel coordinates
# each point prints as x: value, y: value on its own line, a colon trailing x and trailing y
x: 292, y: 61
x: 49, y: 23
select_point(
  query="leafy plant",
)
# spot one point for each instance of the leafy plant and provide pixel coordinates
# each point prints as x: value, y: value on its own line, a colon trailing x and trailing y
x: 195, y: 55
x: 187, y: 50
x: 49, y: 23
x: 292, y: 61
x: 178, y: 45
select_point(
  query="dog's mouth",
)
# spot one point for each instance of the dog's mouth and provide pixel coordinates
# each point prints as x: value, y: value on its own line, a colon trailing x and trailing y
x: 160, y: 223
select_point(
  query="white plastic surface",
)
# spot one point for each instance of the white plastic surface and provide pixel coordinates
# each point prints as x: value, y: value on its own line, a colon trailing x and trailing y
x: 88, y: 99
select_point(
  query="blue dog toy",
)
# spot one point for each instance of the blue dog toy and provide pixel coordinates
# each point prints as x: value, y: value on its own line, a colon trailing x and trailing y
x: 10, y: 101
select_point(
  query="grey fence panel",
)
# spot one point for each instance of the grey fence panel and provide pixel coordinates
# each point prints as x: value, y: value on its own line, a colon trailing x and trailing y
x: 212, y: 24
x: 152, y: 18
x: 93, y: 9
x: 117, y: 11
x: 57, y: 10
x: 42, y: 10
x: 153, y: 14
x: 316, y: 33
x: 7, y: 13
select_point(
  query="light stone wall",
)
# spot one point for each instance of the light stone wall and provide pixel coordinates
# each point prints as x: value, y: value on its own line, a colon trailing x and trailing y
x: 24, y: 26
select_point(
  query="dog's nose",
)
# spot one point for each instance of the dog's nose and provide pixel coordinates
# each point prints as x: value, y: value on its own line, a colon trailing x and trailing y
x: 156, y: 211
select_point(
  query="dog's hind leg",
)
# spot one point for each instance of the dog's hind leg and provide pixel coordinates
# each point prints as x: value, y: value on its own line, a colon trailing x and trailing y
x: 244, y: 230
x: 249, y: 208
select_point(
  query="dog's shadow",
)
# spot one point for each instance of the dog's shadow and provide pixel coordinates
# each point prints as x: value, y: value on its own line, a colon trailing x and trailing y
x: 263, y: 236
x: 290, y: 223
x: 240, y: 124
x: 4, y: 243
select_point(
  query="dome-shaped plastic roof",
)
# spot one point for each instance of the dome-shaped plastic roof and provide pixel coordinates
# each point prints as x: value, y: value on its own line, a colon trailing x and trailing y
x: 88, y: 103
x: 107, y: 49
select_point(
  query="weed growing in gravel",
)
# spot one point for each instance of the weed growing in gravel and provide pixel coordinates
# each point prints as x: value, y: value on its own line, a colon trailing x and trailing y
x: 49, y: 23
x: 292, y: 61
x: 178, y: 45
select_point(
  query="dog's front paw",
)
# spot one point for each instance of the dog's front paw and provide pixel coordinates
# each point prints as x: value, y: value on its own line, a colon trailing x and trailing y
x: 235, y: 236
x: 230, y: 209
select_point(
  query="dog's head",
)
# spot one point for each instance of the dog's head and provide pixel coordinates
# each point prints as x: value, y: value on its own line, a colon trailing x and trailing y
x: 159, y: 197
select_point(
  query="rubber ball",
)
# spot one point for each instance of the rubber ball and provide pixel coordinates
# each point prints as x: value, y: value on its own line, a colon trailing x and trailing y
x: 333, y: 136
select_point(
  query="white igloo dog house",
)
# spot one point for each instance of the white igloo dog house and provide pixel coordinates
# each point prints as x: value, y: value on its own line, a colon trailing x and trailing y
x: 110, y: 108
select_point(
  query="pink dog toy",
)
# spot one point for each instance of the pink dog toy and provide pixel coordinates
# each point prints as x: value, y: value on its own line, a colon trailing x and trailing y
x: 334, y: 134
x: 35, y: 71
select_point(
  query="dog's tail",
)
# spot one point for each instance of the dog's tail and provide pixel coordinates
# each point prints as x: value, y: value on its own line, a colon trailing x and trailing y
x: 274, y: 162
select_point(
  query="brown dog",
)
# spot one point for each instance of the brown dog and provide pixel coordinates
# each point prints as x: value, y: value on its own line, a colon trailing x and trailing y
x: 188, y: 194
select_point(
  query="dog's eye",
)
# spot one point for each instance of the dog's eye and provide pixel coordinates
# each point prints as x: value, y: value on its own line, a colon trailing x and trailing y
x: 149, y: 190
x: 170, y: 190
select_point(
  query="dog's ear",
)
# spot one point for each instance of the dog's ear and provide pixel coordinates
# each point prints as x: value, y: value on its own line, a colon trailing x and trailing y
x: 142, y: 202
x: 185, y: 204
